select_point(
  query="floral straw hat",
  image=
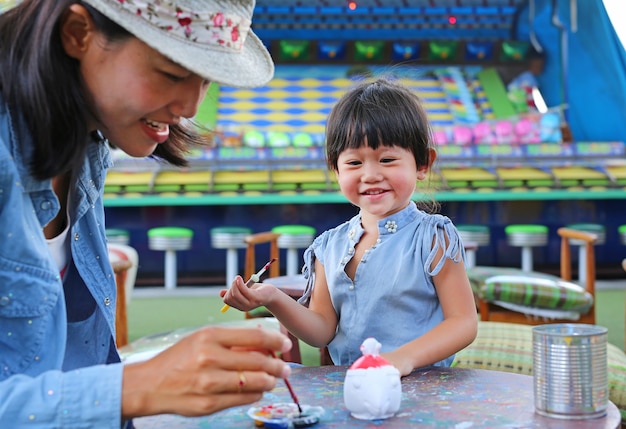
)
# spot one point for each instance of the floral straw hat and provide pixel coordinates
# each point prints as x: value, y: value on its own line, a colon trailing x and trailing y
x: 211, y: 38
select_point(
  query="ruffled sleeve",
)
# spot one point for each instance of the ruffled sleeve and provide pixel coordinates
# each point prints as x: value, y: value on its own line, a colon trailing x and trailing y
x: 308, y: 270
x: 442, y: 227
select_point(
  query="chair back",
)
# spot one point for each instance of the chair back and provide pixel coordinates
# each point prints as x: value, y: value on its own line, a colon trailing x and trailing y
x: 251, y: 265
x: 590, y: 261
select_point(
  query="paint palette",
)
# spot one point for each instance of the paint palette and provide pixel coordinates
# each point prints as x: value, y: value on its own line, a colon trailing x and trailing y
x: 285, y: 416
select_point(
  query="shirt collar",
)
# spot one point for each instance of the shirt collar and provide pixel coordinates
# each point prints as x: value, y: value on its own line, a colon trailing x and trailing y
x: 388, y: 225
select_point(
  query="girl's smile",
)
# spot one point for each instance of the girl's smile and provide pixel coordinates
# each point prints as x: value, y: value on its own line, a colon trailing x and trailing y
x: 380, y: 181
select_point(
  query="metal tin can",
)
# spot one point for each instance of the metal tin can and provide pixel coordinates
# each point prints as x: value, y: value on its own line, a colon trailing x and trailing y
x: 570, y: 370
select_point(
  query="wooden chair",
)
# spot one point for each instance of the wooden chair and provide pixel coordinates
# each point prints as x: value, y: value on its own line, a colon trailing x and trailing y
x: 252, y: 241
x: 490, y: 311
x: 252, y: 266
x: 126, y: 253
x: 120, y: 268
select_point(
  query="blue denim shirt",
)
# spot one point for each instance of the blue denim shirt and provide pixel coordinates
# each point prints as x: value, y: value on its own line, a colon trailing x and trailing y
x: 392, y: 297
x: 59, y: 367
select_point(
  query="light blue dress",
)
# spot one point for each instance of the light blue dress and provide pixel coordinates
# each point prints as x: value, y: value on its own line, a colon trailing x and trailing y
x: 392, y: 297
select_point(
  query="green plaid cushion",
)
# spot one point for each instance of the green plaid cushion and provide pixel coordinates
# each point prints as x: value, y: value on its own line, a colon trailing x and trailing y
x: 530, y: 289
x: 501, y: 347
x: 508, y: 347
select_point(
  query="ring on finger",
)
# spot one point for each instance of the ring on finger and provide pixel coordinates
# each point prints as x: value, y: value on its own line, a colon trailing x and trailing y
x: 242, y: 381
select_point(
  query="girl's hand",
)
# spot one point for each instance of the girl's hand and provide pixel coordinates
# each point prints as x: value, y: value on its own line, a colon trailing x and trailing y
x: 400, y: 360
x: 245, y: 298
x: 212, y: 369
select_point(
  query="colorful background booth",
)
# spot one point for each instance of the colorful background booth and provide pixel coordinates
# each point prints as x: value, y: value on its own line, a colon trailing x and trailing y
x: 503, y: 158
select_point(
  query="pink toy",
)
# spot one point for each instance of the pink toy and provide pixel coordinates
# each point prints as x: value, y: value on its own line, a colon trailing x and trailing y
x: 504, y: 132
x: 483, y: 133
x: 527, y: 131
x: 462, y: 135
x: 440, y: 136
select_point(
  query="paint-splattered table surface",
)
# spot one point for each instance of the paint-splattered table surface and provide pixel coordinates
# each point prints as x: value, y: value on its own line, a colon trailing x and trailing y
x: 431, y: 398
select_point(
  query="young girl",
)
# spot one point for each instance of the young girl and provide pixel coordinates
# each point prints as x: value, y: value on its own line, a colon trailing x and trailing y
x: 392, y: 272
x: 76, y: 76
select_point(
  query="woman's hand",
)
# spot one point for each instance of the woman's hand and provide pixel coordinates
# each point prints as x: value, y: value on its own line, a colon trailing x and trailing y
x: 245, y: 298
x: 212, y: 369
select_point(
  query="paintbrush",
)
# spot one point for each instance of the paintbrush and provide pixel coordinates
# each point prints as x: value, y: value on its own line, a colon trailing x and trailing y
x: 254, y: 278
x: 291, y: 392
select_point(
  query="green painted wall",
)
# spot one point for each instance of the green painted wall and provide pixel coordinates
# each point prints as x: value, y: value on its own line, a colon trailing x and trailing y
x: 207, y: 112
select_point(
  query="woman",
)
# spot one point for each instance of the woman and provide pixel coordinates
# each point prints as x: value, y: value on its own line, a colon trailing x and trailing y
x: 74, y: 75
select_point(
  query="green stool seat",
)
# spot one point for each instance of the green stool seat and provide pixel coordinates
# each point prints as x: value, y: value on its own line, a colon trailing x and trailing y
x: 170, y: 239
x: 230, y: 238
x: 621, y: 230
x: 526, y: 236
x: 117, y: 236
x: 593, y: 228
x: 292, y: 238
x: 472, y: 237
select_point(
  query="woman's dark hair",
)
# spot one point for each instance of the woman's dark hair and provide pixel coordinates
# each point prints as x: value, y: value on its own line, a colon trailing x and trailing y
x: 378, y: 113
x: 42, y: 83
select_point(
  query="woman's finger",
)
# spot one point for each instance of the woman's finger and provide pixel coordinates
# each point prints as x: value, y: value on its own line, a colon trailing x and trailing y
x: 253, y: 338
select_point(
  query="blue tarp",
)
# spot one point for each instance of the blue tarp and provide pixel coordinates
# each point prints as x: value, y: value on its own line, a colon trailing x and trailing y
x: 595, y: 72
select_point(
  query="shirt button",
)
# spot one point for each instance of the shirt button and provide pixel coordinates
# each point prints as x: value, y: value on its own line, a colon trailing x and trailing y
x: 4, y: 301
x: 76, y: 237
x: 351, y: 287
x: 107, y: 301
x: 45, y: 205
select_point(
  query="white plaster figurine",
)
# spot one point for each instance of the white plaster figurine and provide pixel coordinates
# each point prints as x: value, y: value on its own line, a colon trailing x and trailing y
x: 372, y: 388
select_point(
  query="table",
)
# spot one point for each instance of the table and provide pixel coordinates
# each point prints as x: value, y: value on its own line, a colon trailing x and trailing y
x: 431, y: 398
x: 292, y: 285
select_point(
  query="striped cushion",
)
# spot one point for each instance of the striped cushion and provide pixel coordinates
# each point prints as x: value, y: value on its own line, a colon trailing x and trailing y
x: 508, y: 347
x: 530, y: 289
x: 501, y: 347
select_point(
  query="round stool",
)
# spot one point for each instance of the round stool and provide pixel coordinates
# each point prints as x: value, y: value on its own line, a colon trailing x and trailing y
x: 527, y: 236
x: 292, y: 238
x: 117, y: 236
x: 621, y: 230
x: 230, y: 238
x: 593, y: 228
x: 473, y: 236
x: 170, y: 239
